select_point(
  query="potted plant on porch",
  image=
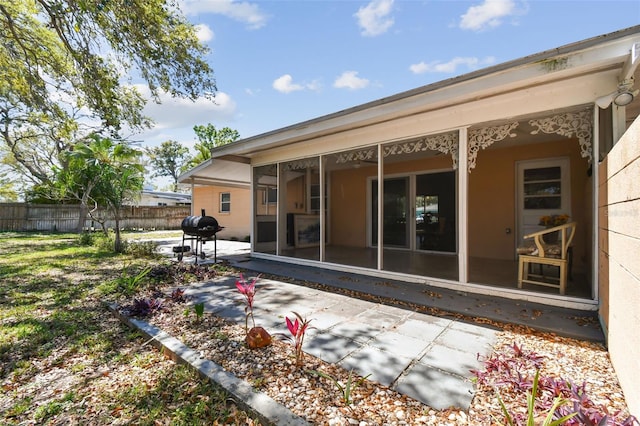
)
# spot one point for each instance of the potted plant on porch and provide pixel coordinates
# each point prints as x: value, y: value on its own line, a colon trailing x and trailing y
x: 551, y: 221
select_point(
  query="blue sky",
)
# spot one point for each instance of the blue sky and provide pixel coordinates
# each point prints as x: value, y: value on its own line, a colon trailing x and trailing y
x: 278, y: 63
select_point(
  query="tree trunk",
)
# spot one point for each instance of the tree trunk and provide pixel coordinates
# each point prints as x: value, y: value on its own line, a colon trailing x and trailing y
x: 118, y: 243
x: 84, y: 209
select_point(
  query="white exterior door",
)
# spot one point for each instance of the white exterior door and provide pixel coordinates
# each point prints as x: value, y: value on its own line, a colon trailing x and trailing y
x: 544, y: 189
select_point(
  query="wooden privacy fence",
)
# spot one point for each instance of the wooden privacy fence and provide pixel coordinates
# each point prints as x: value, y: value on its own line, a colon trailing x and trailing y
x: 64, y: 218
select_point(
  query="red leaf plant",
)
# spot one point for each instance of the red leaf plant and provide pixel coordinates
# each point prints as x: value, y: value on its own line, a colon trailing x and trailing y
x: 298, y: 330
x: 248, y: 290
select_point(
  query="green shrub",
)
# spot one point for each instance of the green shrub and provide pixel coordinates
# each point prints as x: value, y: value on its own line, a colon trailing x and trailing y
x: 105, y: 242
x: 137, y: 248
x: 86, y: 239
x: 129, y: 282
x: 141, y: 248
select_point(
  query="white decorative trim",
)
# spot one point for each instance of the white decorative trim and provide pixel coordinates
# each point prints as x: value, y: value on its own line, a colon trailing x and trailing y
x: 569, y: 124
x: 487, y: 136
x: 362, y: 155
x: 307, y: 163
x: 447, y: 143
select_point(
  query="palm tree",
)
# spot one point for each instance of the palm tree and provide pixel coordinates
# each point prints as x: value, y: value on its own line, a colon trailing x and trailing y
x: 103, y: 173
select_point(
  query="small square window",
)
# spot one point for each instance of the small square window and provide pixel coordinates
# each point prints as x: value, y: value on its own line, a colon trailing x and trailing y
x: 270, y: 196
x: 225, y: 202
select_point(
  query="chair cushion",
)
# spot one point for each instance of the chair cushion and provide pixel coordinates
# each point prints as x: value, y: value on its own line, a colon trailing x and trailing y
x: 550, y: 250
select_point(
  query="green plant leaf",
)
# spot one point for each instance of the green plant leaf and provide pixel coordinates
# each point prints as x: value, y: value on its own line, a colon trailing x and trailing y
x: 199, y: 310
x: 531, y: 401
x: 347, y: 393
x: 557, y: 403
x: 503, y: 407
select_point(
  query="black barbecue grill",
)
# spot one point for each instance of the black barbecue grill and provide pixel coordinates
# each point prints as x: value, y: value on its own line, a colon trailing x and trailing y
x: 199, y: 229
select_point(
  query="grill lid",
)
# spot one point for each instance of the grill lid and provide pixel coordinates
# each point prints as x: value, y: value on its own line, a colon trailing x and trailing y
x: 201, y: 226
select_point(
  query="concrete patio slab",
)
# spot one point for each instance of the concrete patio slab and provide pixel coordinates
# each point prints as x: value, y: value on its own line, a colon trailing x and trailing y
x: 436, y: 388
x: 384, y: 342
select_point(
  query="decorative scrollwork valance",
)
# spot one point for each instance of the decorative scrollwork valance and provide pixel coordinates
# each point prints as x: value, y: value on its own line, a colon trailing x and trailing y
x: 578, y: 124
x: 367, y: 154
x: 447, y: 143
x: 487, y: 136
x: 305, y: 163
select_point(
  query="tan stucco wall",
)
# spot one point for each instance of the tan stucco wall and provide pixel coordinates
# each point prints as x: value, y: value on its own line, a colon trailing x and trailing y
x: 492, y: 192
x: 237, y: 223
x: 619, y: 273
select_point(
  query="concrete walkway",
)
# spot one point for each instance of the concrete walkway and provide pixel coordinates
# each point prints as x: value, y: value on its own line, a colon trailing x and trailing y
x: 425, y: 357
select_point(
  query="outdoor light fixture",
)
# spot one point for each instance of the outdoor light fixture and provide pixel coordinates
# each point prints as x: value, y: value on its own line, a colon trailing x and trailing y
x: 624, y: 97
x: 621, y: 97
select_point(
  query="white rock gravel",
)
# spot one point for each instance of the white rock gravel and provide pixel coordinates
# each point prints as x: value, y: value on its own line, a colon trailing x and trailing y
x: 272, y: 370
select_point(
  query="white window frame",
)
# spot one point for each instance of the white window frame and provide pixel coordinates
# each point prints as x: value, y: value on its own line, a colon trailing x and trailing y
x: 223, y: 203
x: 530, y: 224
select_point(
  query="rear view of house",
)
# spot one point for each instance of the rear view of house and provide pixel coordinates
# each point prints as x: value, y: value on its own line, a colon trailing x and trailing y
x: 442, y: 184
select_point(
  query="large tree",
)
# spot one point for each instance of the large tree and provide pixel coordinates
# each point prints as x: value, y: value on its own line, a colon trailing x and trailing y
x: 208, y: 138
x: 64, y: 66
x: 169, y: 159
x: 7, y: 189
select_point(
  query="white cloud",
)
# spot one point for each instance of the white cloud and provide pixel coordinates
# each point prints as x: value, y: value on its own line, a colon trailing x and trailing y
x: 204, y: 33
x: 248, y: 13
x: 451, y: 66
x: 374, y: 18
x: 350, y: 80
x: 488, y: 14
x: 175, y: 116
x: 285, y: 84
x: 315, y: 85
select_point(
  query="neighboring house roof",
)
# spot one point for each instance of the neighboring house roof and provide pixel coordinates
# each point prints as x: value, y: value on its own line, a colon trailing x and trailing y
x: 173, y: 196
x: 229, y: 171
x: 609, y: 56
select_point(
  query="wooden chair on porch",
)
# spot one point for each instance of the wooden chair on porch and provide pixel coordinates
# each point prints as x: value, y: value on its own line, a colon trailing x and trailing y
x: 542, y: 251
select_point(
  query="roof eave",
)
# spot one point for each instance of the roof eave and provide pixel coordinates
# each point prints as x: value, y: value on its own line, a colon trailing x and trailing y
x: 525, y: 70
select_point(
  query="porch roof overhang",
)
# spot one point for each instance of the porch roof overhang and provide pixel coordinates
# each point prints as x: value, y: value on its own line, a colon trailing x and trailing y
x: 567, y: 72
x: 231, y: 171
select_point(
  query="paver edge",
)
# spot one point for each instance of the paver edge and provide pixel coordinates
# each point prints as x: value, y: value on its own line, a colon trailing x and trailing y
x: 267, y: 409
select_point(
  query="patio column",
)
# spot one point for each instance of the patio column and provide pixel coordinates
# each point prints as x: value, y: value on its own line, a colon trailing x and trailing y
x: 463, y: 205
x: 253, y: 234
x: 323, y: 225
x: 279, y: 211
x: 193, y: 186
x: 380, y: 205
x: 595, y: 182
